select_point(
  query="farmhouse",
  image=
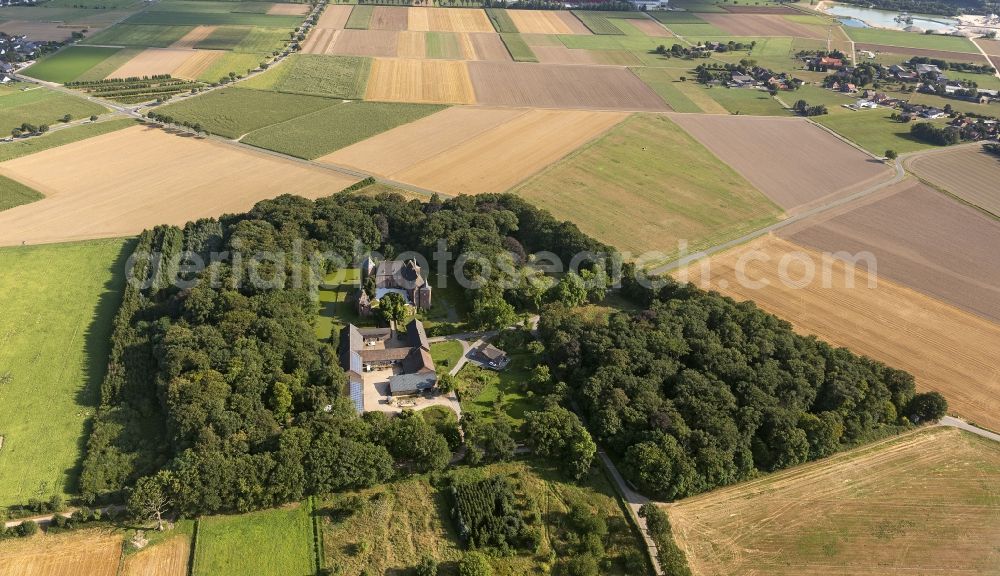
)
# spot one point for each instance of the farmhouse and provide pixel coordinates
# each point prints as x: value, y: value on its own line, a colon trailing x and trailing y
x: 491, y: 356
x: 398, y: 276
x: 367, y: 350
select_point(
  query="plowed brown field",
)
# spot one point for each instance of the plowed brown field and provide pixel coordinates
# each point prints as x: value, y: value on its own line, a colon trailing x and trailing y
x: 763, y: 25
x: 795, y: 163
x: 489, y: 47
x: 556, y: 86
x: 967, y: 172
x: 389, y: 18
x: 90, y: 552
x: 925, y: 503
x: 922, y: 239
x: 287, y: 9
x: 448, y: 20
x: 475, y: 150
x: 196, y: 35
x: 42, y: 31
x: 651, y: 28
x: 321, y: 41
x: 121, y: 183
x: 945, y: 348
x: 991, y: 47
x: 547, y: 22
x: 168, y: 558
x: 334, y: 17
x: 421, y: 81
x: 381, y: 43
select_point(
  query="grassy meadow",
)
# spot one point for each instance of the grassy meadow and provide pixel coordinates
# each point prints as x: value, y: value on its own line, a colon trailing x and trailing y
x: 136, y: 35
x: 911, y: 40
x: 67, y: 65
x: 13, y: 193
x: 446, y: 354
x: 38, y: 106
x: 275, y: 542
x: 488, y: 393
x: 58, y: 302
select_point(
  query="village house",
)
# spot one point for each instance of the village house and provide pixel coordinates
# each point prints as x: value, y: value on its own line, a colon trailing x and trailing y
x: 491, y: 356
x: 398, y: 276
x: 366, y: 350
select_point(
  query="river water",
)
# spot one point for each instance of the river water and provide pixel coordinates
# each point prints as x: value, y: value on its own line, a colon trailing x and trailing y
x: 860, y: 17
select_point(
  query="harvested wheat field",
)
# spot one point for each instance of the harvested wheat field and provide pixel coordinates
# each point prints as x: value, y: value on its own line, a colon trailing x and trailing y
x: 121, y: 183
x: 169, y: 558
x: 547, y: 22
x: 968, y: 172
x: 488, y: 47
x: 475, y: 150
x: 334, y: 17
x: 197, y: 64
x: 922, y: 239
x: 90, y: 552
x: 192, y: 38
x: 795, y: 163
x: 924, y: 503
x: 763, y: 25
x: 43, y: 31
x: 564, y: 55
x: 650, y: 28
x: 938, y: 54
x: 411, y: 45
x: 389, y: 18
x: 153, y: 61
x: 321, y: 41
x: 448, y: 20
x: 286, y: 9
x: 945, y: 348
x: 382, y: 43
x: 420, y: 81
x: 557, y: 86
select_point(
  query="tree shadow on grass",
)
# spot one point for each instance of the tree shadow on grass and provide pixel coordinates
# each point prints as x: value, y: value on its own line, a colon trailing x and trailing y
x: 97, y: 341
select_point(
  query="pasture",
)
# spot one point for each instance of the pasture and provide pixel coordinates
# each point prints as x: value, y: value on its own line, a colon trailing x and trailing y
x: 969, y: 172
x: 322, y: 132
x: 53, y: 358
x: 331, y: 76
x: 38, y: 105
x: 645, y: 186
x: 667, y: 85
x: 815, y: 166
x: 93, y: 552
x: 922, y: 239
x: 420, y: 81
x: 475, y: 150
x: 141, y: 36
x: 167, y: 558
x: 873, y: 130
x: 909, y: 40
x: 67, y: 65
x: 922, y: 503
x: 132, y: 192
x: 274, y: 542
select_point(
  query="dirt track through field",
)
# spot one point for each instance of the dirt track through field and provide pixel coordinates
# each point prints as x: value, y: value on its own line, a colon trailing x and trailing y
x: 448, y: 20
x: 763, y: 25
x: 168, y: 558
x: 939, y: 54
x: 922, y: 239
x: 945, y: 348
x: 555, y: 86
x: 795, y: 163
x: 922, y: 504
x: 192, y: 38
x: 547, y: 22
x: 90, y: 552
x: 121, y: 183
x: 420, y: 81
x: 475, y: 150
x: 970, y: 173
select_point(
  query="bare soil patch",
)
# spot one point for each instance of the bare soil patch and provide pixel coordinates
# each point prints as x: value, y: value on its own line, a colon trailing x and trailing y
x: 43, y: 31
x: 334, y: 17
x: 389, y: 18
x: 940, y: 54
x: 489, y: 47
x: 286, y: 9
x: 448, y: 20
x: 420, y: 81
x: 121, y: 183
x: 920, y: 504
x: 922, y: 239
x: 991, y: 47
x: 556, y: 86
x: 196, y: 64
x: 547, y: 22
x: 321, y: 41
x: 970, y: 173
x: 795, y: 163
x: 945, y: 348
x: 90, y: 552
x: 651, y: 28
x: 192, y: 38
x: 168, y: 558
x: 153, y: 61
x: 763, y: 25
x: 381, y: 43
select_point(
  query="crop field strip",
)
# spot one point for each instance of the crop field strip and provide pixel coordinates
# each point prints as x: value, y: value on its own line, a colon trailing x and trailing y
x: 192, y: 38
x: 182, y: 63
x: 420, y: 81
x: 169, y: 558
x: 333, y: 76
x: 969, y: 173
x: 945, y: 348
x: 921, y: 503
x: 90, y: 552
x: 39, y: 105
x: 905, y: 52
x: 138, y: 35
x: 132, y: 193
x: 546, y: 22
x: 922, y: 239
x: 272, y: 542
x: 389, y: 18
x: 381, y: 43
x: 69, y: 64
x: 815, y: 166
x: 448, y: 20
x: 764, y: 25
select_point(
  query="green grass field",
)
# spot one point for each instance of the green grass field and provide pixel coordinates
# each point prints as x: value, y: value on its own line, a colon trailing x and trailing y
x: 335, y: 76
x: 104, y: 68
x: 911, y: 40
x: 38, y: 106
x: 144, y: 36
x: 646, y: 185
x: 607, y: 42
x: 26, y: 146
x: 67, y: 65
x: 187, y: 18
x: 597, y: 22
x: 874, y: 131
x: 13, y: 193
x: 335, y: 309
x: 263, y: 41
x: 748, y: 101
x: 231, y: 62
x: 275, y: 542
x: 313, y: 135
x: 233, y: 112
x: 360, y: 18
x: 501, y: 20
x: 58, y: 302
x: 224, y: 38
x: 446, y: 354
x: 443, y: 45
x: 668, y: 87
x: 518, y: 48
x: 484, y: 392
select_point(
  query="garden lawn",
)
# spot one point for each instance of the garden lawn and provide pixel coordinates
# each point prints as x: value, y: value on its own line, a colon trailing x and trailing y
x: 42, y: 106
x: 335, y: 76
x: 313, y: 135
x: 67, y: 65
x: 233, y: 112
x: 335, y: 308
x: 275, y: 542
x: 446, y: 354
x: 58, y: 303
x: 484, y: 391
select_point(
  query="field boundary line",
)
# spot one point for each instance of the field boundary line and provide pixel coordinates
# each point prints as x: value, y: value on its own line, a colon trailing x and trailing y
x: 192, y: 564
x: 844, y: 139
x: 652, y: 550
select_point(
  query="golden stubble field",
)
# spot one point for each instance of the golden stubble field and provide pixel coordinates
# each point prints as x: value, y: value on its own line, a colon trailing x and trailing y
x: 925, y: 503
x: 547, y: 22
x: 168, y: 558
x: 945, y: 348
x: 121, y: 183
x: 420, y: 81
x: 178, y: 62
x: 90, y: 552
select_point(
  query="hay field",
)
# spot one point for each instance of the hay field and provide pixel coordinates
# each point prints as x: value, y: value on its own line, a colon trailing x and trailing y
x: 275, y: 542
x: 945, y: 348
x: 796, y: 164
x: 921, y: 504
x: 137, y: 185
x: 547, y: 22
x: 90, y: 552
x: 411, y: 45
x: 475, y: 150
x: 197, y: 64
x: 420, y: 81
x: 970, y: 173
x: 763, y: 25
x: 556, y: 86
x: 168, y: 558
x: 192, y: 38
x: 922, y: 239
x: 448, y: 20
x: 176, y: 62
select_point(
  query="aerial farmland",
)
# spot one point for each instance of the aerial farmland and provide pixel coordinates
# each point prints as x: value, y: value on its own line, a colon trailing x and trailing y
x: 773, y: 350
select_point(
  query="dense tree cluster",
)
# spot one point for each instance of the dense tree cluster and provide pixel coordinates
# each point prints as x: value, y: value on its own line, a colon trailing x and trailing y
x: 219, y: 382
x: 699, y: 391
x: 992, y: 148
x: 959, y: 66
x: 486, y: 516
x: 943, y: 136
x: 802, y: 108
x: 668, y: 554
